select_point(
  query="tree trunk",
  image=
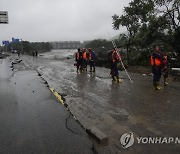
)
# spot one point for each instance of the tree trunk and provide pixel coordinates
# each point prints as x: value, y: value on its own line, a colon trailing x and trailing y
x: 128, y: 51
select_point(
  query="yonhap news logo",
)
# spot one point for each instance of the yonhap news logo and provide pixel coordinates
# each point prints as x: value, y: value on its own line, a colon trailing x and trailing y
x: 128, y: 139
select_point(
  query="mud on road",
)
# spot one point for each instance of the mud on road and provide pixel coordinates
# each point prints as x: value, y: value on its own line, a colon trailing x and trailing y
x: 113, y: 108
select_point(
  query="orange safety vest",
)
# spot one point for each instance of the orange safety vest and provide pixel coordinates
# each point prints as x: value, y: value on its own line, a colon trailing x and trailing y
x: 155, y: 61
x: 85, y: 56
x: 115, y: 58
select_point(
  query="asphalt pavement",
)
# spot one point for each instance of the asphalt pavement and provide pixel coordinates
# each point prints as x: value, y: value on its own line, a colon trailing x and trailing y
x: 114, y: 108
x: 32, y: 121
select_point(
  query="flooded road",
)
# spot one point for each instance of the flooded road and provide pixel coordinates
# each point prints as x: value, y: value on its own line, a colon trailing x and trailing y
x: 114, y: 108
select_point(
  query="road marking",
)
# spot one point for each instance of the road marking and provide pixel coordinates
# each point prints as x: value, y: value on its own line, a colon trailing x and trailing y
x: 59, y: 97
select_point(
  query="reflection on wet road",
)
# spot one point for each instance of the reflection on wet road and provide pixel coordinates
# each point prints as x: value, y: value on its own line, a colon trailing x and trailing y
x: 32, y: 121
x: 113, y: 108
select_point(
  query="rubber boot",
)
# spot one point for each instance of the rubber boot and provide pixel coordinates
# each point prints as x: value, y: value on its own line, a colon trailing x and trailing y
x: 81, y: 69
x: 113, y: 78
x: 94, y: 70
x: 118, y: 79
x: 157, y: 86
x: 165, y: 82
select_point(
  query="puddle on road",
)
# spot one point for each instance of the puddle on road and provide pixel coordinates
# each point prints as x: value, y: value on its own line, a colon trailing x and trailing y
x: 141, y: 120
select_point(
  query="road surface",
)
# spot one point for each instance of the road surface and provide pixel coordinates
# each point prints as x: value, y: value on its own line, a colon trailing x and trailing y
x: 32, y: 121
x: 114, y: 108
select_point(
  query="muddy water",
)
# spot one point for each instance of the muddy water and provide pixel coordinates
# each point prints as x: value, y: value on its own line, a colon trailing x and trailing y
x: 113, y: 108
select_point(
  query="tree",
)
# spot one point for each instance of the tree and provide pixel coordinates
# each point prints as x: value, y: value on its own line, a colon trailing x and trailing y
x: 100, y: 43
x: 176, y: 42
x: 170, y: 8
x: 135, y: 16
x: 122, y: 40
x: 149, y: 22
x: 28, y: 47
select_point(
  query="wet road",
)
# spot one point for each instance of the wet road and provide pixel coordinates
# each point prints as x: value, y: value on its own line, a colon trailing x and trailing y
x: 32, y: 121
x: 114, y: 108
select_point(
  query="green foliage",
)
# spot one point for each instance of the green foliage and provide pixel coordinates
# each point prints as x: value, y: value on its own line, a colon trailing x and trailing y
x: 28, y: 47
x: 171, y: 10
x: 100, y: 43
x: 149, y: 22
x: 176, y: 41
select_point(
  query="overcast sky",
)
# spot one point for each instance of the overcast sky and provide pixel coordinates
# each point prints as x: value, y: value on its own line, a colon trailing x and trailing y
x: 60, y: 20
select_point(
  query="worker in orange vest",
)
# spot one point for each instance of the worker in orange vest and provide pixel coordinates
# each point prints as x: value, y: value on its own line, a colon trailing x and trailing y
x: 114, y: 69
x: 78, y: 59
x: 156, y: 61
x: 84, y: 55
